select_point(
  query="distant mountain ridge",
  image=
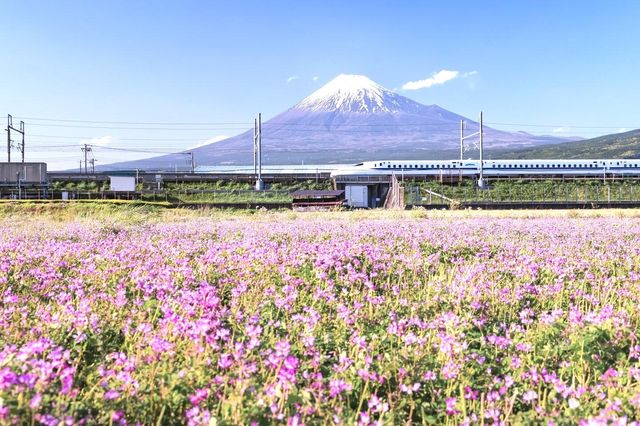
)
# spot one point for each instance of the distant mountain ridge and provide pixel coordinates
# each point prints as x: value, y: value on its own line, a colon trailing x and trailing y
x: 350, y: 119
x: 617, y: 145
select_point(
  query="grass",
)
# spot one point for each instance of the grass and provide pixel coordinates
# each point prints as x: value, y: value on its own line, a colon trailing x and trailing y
x: 524, y: 191
x: 136, y: 212
x: 219, y: 192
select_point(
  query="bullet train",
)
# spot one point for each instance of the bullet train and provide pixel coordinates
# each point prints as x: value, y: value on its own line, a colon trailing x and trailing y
x: 494, y: 168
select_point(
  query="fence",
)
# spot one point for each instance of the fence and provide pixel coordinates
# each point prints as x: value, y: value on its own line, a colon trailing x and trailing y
x: 211, y: 196
x: 526, y: 193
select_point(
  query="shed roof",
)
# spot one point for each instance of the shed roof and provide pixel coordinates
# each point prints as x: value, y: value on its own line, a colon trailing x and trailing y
x: 311, y: 193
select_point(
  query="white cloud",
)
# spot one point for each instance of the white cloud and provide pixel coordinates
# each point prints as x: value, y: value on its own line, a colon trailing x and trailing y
x: 292, y: 78
x: 561, y: 129
x: 622, y: 130
x: 213, y: 139
x: 315, y: 78
x: 101, y: 141
x: 437, y: 78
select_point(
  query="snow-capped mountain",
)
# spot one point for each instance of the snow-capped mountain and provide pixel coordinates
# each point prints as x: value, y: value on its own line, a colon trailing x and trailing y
x: 351, y: 119
x: 355, y: 93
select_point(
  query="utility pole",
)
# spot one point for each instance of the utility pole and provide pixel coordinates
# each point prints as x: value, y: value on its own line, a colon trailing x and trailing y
x: 8, y: 138
x: 481, y: 179
x: 259, y: 185
x: 19, y: 130
x: 19, y: 187
x: 193, y: 164
x: 22, y: 143
x: 93, y: 166
x: 255, y: 148
x: 86, y: 149
x: 461, y: 141
x: 463, y: 137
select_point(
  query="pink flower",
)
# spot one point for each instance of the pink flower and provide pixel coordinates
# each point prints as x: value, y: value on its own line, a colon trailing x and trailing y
x: 529, y: 396
x: 35, y: 401
x: 111, y: 394
x: 225, y: 361
x: 451, y: 406
x: 337, y: 386
x: 199, y: 396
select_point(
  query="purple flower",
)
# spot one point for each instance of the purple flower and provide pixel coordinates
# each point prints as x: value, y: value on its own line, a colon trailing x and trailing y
x: 225, y: 361
x: 451, y: 406
x: 111, y: 394
x: 337, y: 386
x: 35, y: 401
x: 199, y: 396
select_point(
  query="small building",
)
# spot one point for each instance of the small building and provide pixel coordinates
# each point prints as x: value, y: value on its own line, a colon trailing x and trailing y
x: 23, y: 180
x: 13, y: 174
x: 307, y: 199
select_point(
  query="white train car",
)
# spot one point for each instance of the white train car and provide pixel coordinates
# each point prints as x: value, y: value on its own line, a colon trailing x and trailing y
x: 494, y: 168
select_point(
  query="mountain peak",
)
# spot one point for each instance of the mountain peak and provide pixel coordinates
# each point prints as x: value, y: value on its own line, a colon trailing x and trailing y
x: 351, y: 93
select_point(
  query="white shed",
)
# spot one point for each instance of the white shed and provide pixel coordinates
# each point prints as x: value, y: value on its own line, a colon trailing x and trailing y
x: 122, y: 183
x: 357, y: 195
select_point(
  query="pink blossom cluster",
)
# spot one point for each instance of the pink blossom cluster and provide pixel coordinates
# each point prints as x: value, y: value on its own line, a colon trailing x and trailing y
x: 321, y: 320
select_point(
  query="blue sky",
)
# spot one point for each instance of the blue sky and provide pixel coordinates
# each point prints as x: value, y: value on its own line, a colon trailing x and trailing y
x: 567, y: 65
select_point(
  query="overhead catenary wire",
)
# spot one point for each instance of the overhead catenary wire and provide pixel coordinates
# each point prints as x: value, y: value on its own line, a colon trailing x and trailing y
x: 271, y: 131
x: 247, y: 124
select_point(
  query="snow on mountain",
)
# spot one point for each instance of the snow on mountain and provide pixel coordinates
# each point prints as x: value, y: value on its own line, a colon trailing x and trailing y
x: 351, y: 119
x: 353, y: 93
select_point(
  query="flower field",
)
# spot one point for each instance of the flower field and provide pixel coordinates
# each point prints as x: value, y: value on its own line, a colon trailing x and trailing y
x: 321, y: 321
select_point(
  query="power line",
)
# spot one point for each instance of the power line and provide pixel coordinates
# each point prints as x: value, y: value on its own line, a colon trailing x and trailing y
x: 137, y: 150
x: 141, y: 123
x: 138, y: 122
x: 135, y: 128
x: 566, y: 126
